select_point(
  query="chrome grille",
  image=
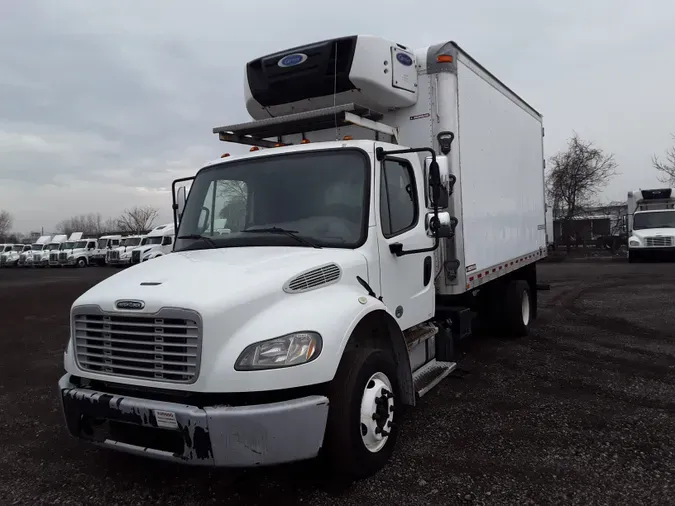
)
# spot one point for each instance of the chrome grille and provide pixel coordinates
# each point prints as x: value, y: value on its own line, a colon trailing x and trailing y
x: 53, y: 257
x: 3, y: 259
x: 113, y: 255
x: 658, y: 241
x: 165, y: 346
x: 314, y: 278
x: 135, y: 257
x: 36, y: 258
x: 63, y: 255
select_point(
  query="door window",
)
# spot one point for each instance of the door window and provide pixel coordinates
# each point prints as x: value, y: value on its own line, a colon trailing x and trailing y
x: 398, y: 199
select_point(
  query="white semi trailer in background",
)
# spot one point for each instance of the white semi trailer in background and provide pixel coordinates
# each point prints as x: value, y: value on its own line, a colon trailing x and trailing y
x: 41, y: 258
x: 121, y: 255
x: 157, y: 243
x: 390, y: 196
x: 651, y: 223
x: 26, y: 258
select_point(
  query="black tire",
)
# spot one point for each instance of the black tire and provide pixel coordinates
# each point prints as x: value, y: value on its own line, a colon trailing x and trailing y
x: 345, y: 449
x: 81, y: 262
x: 518, y: 312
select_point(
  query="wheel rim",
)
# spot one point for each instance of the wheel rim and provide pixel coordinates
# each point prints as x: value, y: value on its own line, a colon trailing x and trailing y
x: 525, y: 308
x: 377, y: 412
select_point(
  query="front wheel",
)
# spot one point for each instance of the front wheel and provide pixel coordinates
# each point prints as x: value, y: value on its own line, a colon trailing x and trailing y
x: 364, y: 400
x: 81, y: 262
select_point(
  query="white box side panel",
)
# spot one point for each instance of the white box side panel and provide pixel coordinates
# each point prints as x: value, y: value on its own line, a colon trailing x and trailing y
x: 502, y: 175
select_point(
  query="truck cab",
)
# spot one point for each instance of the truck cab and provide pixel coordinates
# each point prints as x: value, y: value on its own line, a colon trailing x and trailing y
x: 66, y: 249
x: 51, y: 250
x: 36, y: 248
x: 319, y: 282
x: 81, y: 253
x: 11, y: 258
x: 157, y: 243
x: 103, y: 245
x: 651, y: 224
x: 121, y: 255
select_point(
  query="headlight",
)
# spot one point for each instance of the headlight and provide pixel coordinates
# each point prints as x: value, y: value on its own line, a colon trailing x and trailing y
x: 633, y: 243
x: 285, y: 351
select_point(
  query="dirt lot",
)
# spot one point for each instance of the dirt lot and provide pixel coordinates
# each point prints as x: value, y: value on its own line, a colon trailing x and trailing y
x: 580, y: 412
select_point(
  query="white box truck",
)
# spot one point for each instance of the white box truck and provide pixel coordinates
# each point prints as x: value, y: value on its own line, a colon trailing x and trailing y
x: 389, y: 196
x: 651, y: 224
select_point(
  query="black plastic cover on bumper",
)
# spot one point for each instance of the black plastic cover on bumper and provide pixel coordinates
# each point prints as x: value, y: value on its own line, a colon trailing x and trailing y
x: 227, y: 436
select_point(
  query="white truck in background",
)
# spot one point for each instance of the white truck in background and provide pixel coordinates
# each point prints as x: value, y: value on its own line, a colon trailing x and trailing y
x: 390, y: 196
x: 651, y: 224
x: 60, y: 258
x: 157, y: 243
x: 11, y: 257
x: 104, y: 244
x: 26, y: 258
x: 42, y: 258
x: 121, y: 255
x: 80, y: 255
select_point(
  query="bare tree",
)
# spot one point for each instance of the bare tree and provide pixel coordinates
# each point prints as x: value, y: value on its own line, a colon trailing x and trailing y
x: 137, y: 219
x: 667, y: 167
x: 575, y: 178
x: 234, y: 195
x: 89, y: 224
x: 6, y: 221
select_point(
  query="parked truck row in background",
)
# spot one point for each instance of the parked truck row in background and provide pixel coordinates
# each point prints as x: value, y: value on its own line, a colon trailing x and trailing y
x: 78, y: 251
x: 390, y: 197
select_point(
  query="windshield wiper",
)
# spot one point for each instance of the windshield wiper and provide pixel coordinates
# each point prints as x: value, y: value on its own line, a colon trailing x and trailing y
x: 289, y: 233
x: 204, y: 238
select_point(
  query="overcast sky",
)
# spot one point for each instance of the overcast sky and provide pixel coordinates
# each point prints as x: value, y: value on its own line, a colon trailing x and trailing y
x: 103, y: 104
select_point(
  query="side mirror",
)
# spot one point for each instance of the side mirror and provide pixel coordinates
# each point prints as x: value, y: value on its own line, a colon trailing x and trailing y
x: 439, y: 181
x: 444, y: 225
x: 181, y: 198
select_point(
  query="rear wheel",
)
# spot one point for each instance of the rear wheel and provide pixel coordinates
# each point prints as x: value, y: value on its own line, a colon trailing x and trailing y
x: 361, y: 431
x: 518, y: 308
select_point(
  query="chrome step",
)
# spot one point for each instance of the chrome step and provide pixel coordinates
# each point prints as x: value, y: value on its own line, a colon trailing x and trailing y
x: 429, y: 375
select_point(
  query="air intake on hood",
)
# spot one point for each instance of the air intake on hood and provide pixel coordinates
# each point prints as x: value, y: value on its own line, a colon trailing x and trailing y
x: 314, y: 278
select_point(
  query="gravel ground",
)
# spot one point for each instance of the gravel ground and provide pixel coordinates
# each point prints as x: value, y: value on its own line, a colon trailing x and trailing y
x: 580, y: 412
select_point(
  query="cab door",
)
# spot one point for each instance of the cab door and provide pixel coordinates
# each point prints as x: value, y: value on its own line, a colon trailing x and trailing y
x: 406, y: 281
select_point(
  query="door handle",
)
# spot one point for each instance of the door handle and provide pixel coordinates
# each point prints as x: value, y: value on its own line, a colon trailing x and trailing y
x: 396, y: 248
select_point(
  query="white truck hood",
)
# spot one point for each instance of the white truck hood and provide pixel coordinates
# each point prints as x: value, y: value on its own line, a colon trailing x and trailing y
x: 654, y: 232
x: 215, y: 279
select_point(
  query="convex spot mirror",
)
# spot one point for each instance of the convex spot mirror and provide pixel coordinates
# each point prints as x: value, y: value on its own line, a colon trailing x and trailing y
x: 441, y: 171
x: 444, y: 224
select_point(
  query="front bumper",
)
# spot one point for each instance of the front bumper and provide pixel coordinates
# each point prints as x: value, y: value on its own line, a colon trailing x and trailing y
x: 222, y: 436
x: 651, y: 251
x: 118, y: 261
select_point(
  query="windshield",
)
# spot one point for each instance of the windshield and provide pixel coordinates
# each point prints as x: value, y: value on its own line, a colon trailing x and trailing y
x: 37, y: 247
x: 53, y: 246
x: 18, y: 247
x: 7, y: 248
x: 67, y: 245
x: 152, y: 240
x: 80, y: 244
x: 132, y: 241
x: 320, y: 195
x: 657, y: 219
x: 102, y: 244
